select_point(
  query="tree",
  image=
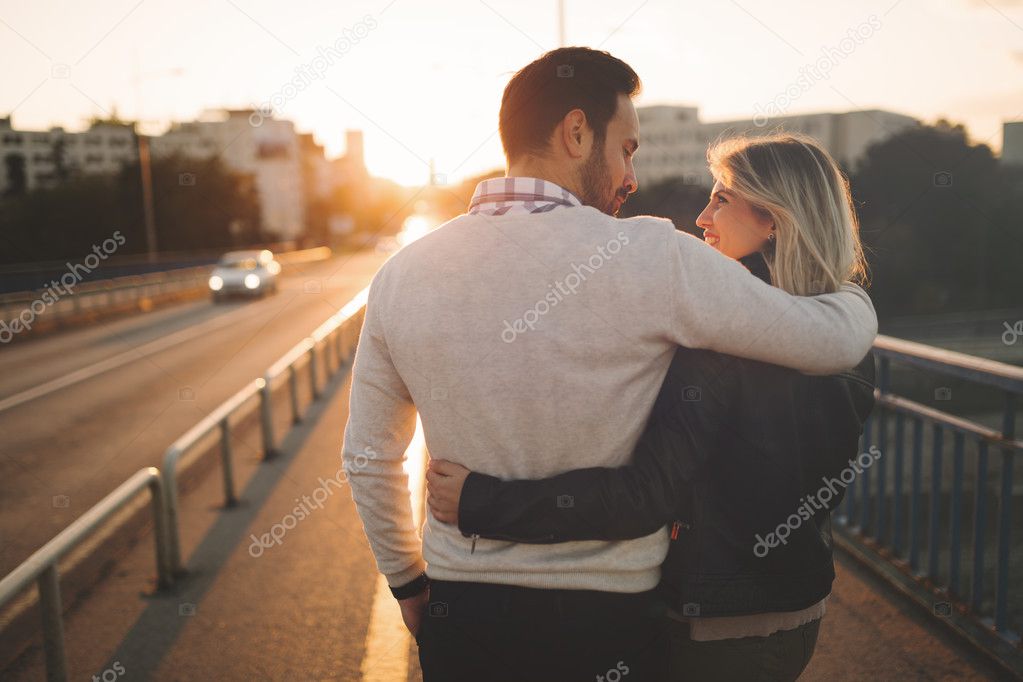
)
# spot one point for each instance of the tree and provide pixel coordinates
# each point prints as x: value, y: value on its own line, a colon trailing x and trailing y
x: 940, y: 222
x: 199, y: 205
x: 17, y: 183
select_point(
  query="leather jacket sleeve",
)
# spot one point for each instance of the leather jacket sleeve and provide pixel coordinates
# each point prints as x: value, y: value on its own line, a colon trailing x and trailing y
x: 602, y: 503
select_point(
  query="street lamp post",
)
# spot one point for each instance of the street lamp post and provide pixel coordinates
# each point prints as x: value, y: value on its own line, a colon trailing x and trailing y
x: 147, y: 196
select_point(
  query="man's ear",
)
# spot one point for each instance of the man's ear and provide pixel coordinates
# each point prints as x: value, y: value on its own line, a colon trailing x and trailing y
x: 575, y: 134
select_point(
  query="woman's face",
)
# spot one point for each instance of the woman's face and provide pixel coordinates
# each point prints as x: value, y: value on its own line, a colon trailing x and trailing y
x: 731, y: 225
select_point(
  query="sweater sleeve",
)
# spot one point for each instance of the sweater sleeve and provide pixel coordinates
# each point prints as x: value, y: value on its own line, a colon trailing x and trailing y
x: 381, y: 423
x: 601, y: 503
x: 716, y: 303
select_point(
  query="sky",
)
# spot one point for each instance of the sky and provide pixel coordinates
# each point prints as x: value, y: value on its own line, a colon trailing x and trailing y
x: 423, y: 80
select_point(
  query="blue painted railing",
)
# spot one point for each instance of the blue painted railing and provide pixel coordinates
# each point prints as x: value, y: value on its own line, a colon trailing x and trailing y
x: 917, y: 535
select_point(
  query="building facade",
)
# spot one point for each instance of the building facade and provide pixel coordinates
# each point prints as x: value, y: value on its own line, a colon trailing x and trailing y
x: 38, y: 159
x: 675, y: 140
x: 287, y: 168
x: 258, y: 145
x: 1012, y: 143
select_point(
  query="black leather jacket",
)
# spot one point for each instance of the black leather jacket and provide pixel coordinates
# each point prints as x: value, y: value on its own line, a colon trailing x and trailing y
x: 743, y: 459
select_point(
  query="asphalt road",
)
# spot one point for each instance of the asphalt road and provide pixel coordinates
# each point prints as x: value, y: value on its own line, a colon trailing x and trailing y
x: 82, y: 410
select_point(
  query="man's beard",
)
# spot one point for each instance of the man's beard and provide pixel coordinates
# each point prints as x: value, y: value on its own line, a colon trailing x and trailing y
x: 595, y: 180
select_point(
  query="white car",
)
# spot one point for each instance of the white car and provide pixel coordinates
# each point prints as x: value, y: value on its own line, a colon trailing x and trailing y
x: 251, y: 273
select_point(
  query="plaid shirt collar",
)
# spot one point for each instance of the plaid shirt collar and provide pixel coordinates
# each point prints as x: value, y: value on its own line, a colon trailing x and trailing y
x: 501, y: 196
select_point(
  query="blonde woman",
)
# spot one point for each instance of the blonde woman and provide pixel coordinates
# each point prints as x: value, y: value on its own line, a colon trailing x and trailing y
x: 742, y: 460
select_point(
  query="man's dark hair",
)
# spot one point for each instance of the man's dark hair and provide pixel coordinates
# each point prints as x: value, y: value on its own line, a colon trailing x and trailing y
x: 541, y: 93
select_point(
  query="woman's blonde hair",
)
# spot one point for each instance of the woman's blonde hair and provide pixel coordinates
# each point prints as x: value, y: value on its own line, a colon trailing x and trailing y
x: 796, y: 182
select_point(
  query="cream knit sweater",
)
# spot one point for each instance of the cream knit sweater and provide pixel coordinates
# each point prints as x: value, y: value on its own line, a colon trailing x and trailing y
x: 531, y: 344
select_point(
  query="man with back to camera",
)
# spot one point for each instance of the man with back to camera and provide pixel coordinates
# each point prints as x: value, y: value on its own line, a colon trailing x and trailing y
x: 539, y: 323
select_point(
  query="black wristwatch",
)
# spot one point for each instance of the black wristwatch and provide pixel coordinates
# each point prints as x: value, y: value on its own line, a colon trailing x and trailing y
x: 411, y: 588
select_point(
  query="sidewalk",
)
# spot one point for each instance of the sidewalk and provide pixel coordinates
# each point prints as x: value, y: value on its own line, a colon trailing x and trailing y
x: 314, y: 608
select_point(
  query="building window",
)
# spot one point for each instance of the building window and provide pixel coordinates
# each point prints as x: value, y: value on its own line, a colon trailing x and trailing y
x: 272, y: 150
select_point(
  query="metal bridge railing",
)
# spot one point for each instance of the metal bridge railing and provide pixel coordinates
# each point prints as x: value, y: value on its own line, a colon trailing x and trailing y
x: 41, y: 567
x: 932, y: 518
x: 331, y: 345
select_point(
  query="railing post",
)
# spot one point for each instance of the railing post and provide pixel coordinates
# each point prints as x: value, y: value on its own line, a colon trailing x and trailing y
x: 882, y: 443
x: 914, y: 499
x: 330, y: 347
x: 979, y: 526
x: 868, y: 438
x: 342, y: 347
x: 53, y: 625
x: 267, y: 419
x: 330, y: 354
x: 164, y: 570
x: 296, y: 416
x: 226, y: 464
x: 898, y: 507
x: 312, y: 370
x: 933, y: 536
x: 955, y: 546
x: 1005, y: 517
x: 170, y: 504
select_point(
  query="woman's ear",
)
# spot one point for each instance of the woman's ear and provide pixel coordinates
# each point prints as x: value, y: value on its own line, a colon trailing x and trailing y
x: 765, y: 222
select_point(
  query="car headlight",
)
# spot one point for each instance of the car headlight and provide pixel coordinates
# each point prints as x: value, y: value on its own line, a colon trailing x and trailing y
x: 251, y: 281
x: 216, y: 283
x: 273, y: 267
